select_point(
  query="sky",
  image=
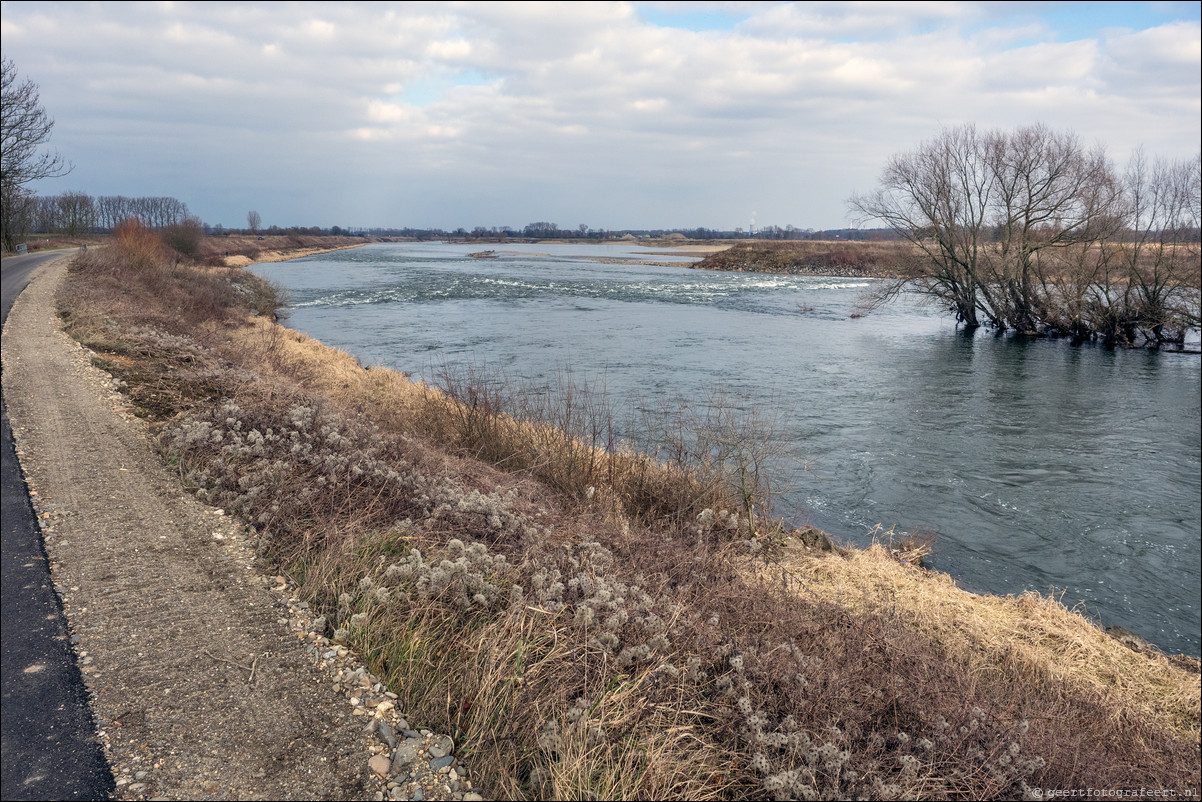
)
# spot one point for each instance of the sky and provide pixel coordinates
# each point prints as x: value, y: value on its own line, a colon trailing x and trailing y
x: 612, y: 115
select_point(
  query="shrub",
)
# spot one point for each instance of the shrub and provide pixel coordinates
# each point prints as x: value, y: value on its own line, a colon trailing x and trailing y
x: 140, y: 247
x: 184, y: 237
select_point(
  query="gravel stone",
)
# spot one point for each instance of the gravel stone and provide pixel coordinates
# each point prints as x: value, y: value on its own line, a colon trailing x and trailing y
x: 442, y: 746
x: 380, y: 765
x: 405, y: 756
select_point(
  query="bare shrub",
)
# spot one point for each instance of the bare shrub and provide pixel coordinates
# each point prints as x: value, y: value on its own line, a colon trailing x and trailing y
x: 184, y: 237
x: 140, y: 247
x: 668, y: 465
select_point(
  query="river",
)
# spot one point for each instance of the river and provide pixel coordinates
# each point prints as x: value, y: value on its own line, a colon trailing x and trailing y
x: 1034, y: 464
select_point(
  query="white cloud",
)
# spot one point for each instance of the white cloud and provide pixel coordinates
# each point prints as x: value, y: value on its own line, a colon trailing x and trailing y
x: 582, y: 105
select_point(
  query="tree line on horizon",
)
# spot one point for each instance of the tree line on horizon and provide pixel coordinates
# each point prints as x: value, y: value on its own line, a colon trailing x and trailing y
x: 75, y: 213
x: 546, y: 230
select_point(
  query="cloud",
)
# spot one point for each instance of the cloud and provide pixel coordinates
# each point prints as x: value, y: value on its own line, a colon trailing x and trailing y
x: 593, y: 108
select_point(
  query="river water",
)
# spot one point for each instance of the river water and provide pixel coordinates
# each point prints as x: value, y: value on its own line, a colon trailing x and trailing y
x: 1035, y: 465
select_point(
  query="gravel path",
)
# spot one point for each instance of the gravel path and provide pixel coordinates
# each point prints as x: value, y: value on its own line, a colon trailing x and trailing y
x: 206, y: 677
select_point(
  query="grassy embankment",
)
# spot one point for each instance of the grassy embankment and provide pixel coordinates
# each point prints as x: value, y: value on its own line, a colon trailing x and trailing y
x: 590, y: 623
x: 235, y: 250
x: 813, y: 257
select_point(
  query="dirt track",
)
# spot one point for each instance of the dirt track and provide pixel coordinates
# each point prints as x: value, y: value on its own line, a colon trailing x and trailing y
x: 162, y: 597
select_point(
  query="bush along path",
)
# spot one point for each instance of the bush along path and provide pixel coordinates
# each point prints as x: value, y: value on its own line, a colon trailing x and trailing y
x: 207, y: 678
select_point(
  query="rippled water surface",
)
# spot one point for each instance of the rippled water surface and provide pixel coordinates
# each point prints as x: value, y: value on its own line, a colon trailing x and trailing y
x: 1035, y: 464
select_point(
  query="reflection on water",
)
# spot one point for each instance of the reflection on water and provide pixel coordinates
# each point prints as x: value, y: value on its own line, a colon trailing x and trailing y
x: 1037, y: 465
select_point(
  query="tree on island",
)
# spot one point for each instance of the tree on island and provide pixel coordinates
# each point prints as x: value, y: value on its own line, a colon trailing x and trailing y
x: 25, y: 128
x: 1028, y: 230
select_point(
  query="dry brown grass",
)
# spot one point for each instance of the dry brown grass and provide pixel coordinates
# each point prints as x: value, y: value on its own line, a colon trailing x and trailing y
x: 540, y: 712
x: 471, y: 419
x: 241, y: 250
x: 1012, y: 637
x: 578, y: 651
x: 49, y: 242
x: 816, y: 257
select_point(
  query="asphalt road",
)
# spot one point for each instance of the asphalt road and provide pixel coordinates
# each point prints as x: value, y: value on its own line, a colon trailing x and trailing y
x: 48, y: 748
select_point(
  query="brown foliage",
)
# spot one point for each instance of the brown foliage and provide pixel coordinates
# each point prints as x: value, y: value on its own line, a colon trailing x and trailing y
x: 140, y: 248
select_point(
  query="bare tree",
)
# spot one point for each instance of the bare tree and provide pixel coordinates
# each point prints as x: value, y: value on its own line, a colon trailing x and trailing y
x: 111, y: 210
x: 998, y: 219
x: 1161, y: 258
x: 253, y: 221
x: 25, y: 128
x: 1049, y: 194
x: 76, y: 213
x: 937, y: 198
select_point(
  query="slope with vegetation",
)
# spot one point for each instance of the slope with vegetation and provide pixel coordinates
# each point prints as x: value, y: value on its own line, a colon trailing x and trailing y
x: 593, y: 623
x: 886, y: 259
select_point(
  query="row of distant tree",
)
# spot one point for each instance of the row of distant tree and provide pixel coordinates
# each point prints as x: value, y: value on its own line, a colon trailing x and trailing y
x: 545, y: 230
x: 78, y: 213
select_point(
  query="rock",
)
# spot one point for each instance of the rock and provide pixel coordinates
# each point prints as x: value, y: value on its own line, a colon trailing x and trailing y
x: 1130, y: 639
x: 387, y: 734
x: 472, y: 797
x: 404, y: 756
x: 443, y: 745
x: 440, y: 763
x: 380, y: 764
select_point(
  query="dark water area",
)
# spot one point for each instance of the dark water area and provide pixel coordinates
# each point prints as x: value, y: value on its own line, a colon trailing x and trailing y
x: 1034, y: 464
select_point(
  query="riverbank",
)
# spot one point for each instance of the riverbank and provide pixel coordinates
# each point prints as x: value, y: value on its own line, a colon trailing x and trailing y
x: 852, y: 259
x: 582, y: 624
x: 240, y: 251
